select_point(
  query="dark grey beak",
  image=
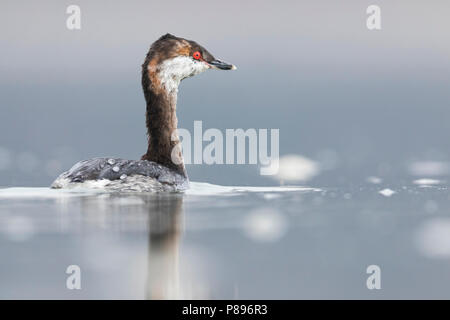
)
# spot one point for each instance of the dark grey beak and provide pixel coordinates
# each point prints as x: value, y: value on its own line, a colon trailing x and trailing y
x: 217, y: 64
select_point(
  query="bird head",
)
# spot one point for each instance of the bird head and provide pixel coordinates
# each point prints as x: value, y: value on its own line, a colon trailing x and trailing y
x: 172, y: 59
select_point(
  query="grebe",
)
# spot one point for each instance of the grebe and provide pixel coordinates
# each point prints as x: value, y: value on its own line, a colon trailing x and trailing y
x: 169, y: 60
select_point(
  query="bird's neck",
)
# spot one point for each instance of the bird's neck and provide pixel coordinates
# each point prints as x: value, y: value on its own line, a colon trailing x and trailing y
x: 161, y: 121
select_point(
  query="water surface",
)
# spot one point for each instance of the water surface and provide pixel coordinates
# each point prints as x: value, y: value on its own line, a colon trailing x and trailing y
x: 227, y: 242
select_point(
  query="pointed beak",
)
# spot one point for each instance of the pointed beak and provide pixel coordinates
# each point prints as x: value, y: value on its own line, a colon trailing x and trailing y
x: 217, y: 64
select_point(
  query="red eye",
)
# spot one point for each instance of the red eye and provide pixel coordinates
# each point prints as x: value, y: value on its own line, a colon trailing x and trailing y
x: 197, y: 55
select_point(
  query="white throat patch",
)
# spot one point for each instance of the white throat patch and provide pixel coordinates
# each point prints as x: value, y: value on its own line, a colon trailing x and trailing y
x: 172, y: 71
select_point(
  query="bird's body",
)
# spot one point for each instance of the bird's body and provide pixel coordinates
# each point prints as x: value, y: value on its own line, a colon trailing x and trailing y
x: 169, y: 61
x: 122, y: 175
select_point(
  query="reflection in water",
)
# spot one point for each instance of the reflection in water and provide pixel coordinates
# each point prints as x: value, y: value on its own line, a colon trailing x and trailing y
x: 163, y: 280
x: 161, y: 217
x: 130, y: 242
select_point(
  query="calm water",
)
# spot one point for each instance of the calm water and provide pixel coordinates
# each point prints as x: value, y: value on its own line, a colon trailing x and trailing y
x: 224, y: 242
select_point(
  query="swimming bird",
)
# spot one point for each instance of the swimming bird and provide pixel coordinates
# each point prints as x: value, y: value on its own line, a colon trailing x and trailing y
x: 169, y: 60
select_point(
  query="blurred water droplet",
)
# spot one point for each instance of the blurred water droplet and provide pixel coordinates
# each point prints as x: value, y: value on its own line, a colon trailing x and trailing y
x: 427, y: 182
x: 374, y: 180
x: 433, y: 238
x: 429, y: 168
x: 265, y: 225
x: 386, y: 192
x: 271, y: 196
x: 295, y: 168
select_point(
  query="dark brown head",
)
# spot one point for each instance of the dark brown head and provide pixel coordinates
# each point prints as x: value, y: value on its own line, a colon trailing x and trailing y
x: 172, y: 59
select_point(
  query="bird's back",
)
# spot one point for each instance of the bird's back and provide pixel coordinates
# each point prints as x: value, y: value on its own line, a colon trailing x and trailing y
x: 121, y: 175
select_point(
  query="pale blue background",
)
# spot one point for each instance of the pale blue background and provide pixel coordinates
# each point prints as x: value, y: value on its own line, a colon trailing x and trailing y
x: 361, y: 103
x: 309, y: 68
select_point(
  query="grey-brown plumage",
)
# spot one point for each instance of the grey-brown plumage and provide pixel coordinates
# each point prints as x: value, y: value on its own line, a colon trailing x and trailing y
x: 122, y: 175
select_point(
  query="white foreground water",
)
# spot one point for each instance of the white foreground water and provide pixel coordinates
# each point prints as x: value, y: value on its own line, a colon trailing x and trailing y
x: 197, y: 188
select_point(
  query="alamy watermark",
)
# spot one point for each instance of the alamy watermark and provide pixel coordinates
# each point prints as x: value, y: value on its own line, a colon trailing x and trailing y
x: 373, y: 21
x: 73, y: 22
x: 236, y: 146
x: 73, y: 281
x: 374, y: 280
